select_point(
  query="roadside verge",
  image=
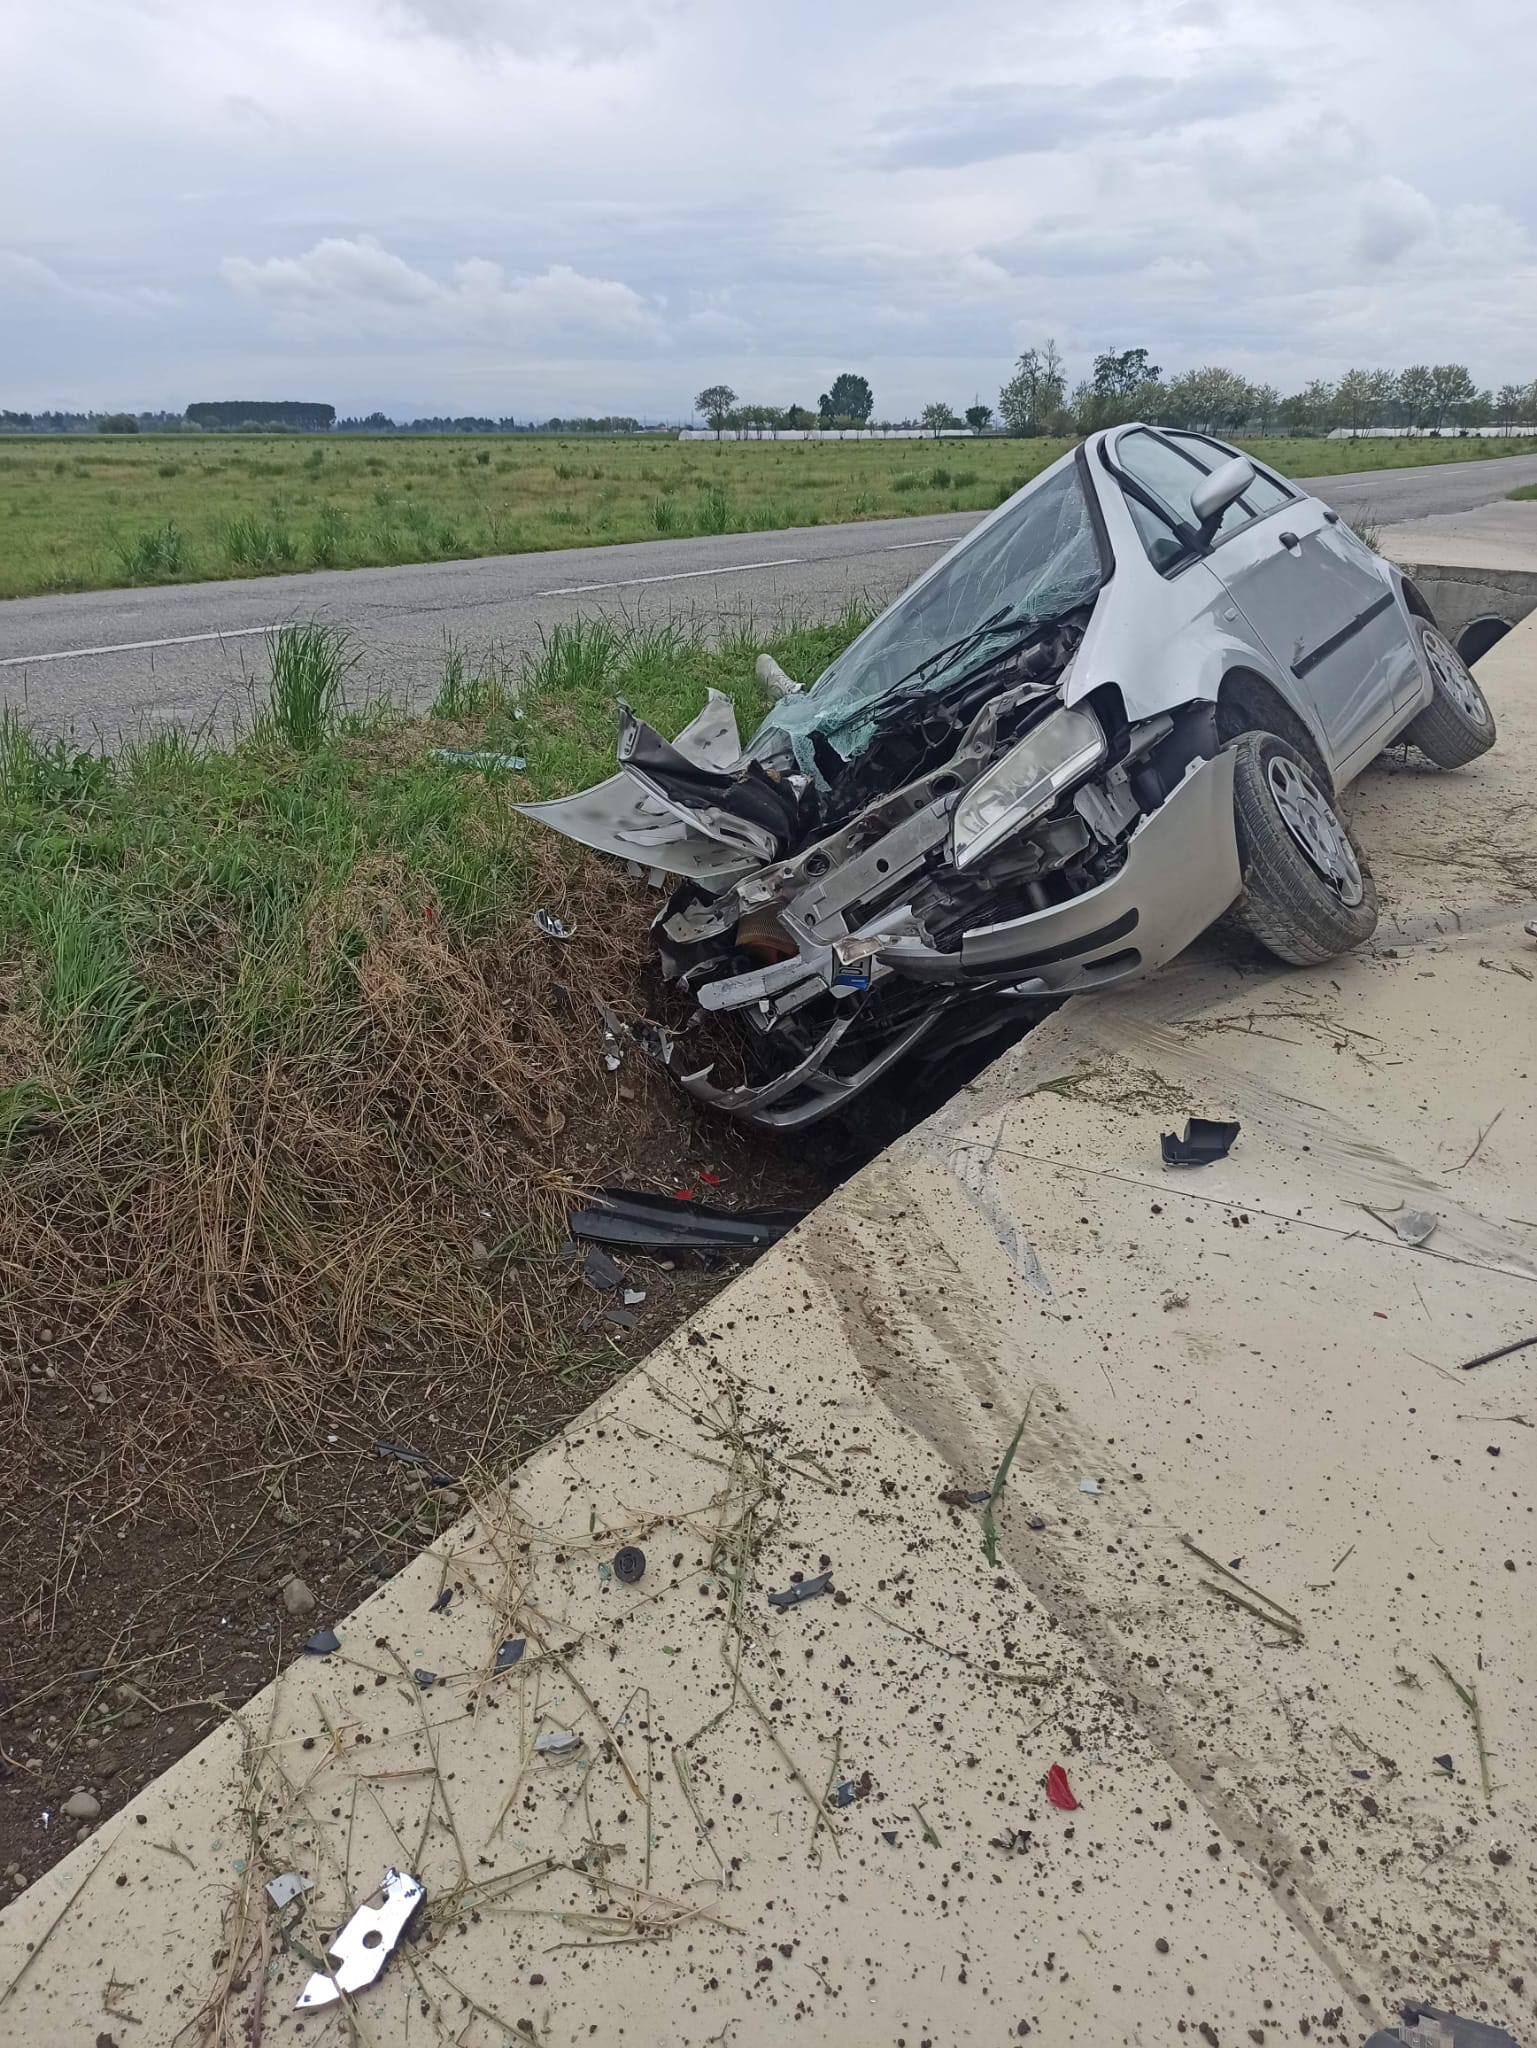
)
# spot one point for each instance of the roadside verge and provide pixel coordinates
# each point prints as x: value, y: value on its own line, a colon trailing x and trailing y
x: 1282, y: 1826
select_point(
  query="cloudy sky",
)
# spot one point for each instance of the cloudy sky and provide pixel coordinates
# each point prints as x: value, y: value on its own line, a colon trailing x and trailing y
x: 534, y: 206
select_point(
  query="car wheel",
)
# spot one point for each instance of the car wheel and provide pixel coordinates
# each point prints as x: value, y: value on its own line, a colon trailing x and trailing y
x: 1307, y: 890
x: 1457, y: 725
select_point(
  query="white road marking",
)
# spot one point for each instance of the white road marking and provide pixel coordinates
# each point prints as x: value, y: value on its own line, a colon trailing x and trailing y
x: 897, y: 547
x: 677, y: 576
x: 130, y: 646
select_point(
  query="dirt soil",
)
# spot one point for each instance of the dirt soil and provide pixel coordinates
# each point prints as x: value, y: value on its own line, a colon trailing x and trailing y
x: 145, y: 1598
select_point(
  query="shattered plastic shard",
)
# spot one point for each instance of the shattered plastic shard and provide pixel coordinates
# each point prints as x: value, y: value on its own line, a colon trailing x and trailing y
x: 557, y: 1744
x: 552, y: 926
x: 1205, y: 1139
x: 288, y: 1886
x: 364, y: 1945
x: 808, y: 1589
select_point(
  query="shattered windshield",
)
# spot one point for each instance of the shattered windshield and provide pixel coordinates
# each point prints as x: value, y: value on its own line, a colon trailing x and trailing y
x: 1035, y: 561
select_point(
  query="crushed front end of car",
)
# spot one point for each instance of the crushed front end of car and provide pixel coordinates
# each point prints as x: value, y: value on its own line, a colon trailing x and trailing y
x: 930, y: 837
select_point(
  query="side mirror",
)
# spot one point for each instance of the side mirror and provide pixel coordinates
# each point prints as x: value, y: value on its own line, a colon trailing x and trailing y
x: 1213, y: 494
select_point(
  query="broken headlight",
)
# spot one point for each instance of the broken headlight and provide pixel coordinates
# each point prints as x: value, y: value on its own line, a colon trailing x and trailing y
x: 1025, y: 781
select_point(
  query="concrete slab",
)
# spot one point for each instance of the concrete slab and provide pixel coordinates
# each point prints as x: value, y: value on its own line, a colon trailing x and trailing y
x: 1499, y: 536
x: 1268, y: 1843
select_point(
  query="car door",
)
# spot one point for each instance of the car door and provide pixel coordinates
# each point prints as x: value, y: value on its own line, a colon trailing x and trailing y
x: 1315, y: 596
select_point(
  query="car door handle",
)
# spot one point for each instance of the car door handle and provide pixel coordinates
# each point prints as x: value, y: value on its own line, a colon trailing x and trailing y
x: 1290, y: 540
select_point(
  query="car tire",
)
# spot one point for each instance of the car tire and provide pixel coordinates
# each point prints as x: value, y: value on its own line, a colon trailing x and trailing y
x: 1308, y: 893
x: 1457, y: 725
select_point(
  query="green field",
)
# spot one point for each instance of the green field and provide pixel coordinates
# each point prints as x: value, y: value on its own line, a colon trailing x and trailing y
x: 101, y: 512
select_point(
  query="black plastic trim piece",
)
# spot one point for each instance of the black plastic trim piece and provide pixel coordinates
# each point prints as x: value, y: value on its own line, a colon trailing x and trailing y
x: 1086, y: 942
x: 646, y: 1222
x: 1337, y: 640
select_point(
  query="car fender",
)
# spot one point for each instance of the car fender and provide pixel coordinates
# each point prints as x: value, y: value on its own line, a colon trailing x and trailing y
x: 1157, y: 673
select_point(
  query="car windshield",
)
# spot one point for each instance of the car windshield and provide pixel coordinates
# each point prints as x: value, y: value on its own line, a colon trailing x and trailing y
x: 1035, y: 561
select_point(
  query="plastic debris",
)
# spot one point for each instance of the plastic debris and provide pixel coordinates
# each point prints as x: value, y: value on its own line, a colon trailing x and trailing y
x: 1088, y: 1486
x: 1413, y: 1226
x: 599, y: 1271
x: 284, y: 1889
x: 440, y: 1605
x: 808, y: 1589
x: 889, y: 1835
x: 1058, y: 1791
x: 362, y: 1948
x: 676, y: 1222
x: 630, y: 1564
x: 1205, y: 1139
x: 846, y: 1793
x: 1424, y: 2026
x: 425, y: 1680
x: 510, y: 1653
x: 634, y: 1296
x: 962, y: 1497
x: 621, y: 1319
x: 1013, y: 1841
x: 1036, y: 1522
x: 615, y: 1037
x: 456, y: 757
x: 552, y: 926
x: 322, y: 1643
x: 404, y: 1455
x: 557, y: 1743
x: 1444, y: 1763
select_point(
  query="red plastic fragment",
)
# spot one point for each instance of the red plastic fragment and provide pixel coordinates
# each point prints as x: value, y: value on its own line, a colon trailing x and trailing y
x: 710, y: 1179
x: 1058, y: 1791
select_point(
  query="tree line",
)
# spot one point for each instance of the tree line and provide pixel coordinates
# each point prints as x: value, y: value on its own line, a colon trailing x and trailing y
x: 1125, y: 384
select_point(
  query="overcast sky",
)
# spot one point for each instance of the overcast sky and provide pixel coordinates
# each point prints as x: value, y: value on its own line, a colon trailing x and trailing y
x: 535, y: 206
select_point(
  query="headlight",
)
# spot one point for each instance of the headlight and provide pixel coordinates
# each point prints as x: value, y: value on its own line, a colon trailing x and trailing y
x: 1025, y: 782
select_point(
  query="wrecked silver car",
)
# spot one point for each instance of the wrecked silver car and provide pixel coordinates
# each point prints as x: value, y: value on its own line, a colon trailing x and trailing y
x: 1119, y: 709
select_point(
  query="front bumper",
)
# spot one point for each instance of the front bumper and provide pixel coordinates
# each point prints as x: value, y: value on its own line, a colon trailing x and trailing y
x: 1180, y: 873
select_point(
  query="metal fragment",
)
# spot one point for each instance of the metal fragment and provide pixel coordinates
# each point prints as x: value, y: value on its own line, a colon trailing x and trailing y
x: 361, y: 1949
x: 808, y: 1589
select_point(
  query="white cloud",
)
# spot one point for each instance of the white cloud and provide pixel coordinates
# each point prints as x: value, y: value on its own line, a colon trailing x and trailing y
x: 27, y: 280
x: 358, y: 290
x: 1394, y: 217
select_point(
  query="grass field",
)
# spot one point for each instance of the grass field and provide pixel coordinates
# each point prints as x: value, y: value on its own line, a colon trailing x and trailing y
x: 276, y: 1018
x: 99, y: 512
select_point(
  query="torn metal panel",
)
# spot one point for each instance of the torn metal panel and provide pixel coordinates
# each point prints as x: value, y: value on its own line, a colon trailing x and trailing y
x: 361, y: 1949
x: 647, y: 1222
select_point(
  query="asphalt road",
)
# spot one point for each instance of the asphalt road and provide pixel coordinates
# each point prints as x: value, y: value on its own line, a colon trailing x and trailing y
x: 188, y: 655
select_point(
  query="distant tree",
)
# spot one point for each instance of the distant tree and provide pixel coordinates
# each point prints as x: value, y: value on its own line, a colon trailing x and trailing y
x: 1451, y: 388
x: 1117, y: 376
x: 849, y: 398
x: 1036, y: 393
x: 1265, y: 404
x: 1416, y: 395
x: 978, y: 417
x: 1353, y: 400
x: 118, y: 423
x: 1382, y: 396
x: 716, y: 402
x: 938, y: 417
x: 1479, y: 409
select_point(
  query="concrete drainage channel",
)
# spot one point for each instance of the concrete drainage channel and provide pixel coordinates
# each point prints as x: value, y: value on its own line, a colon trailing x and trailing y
x: 1078, y: 1598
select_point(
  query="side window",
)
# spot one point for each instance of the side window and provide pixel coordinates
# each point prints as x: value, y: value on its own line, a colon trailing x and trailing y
x: 1161, y: 470
x: 1155, y: 534
x: 1262, y: 496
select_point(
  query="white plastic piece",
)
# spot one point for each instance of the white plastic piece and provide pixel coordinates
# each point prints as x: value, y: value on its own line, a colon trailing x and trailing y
x: 1088, y: 1486
x: 281, y: 1890
x: 557, y: 1744
x: 365, y: 1944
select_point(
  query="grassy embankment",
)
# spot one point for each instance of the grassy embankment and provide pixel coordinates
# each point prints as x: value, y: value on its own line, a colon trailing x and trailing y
x: 279, y: 1042
x: 96, y: 512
